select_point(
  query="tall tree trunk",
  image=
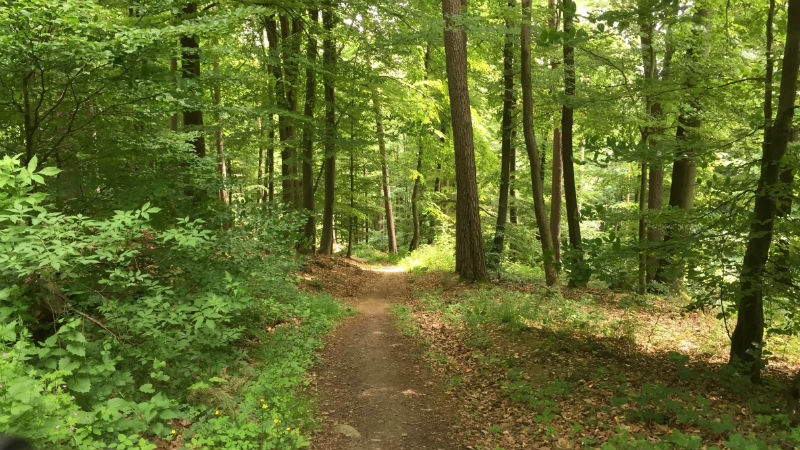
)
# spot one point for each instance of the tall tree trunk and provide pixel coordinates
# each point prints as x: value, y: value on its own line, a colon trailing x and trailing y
x: 642, y: 285
x: 579, y: 274
x: 387, y: 196
x: 512, y: 180
x: 190, y: 70
x: 470, y: 258
x: 748, y: 336
x: 173, y: 69
x: 223, y: 192
x: 310, y: 227
x: 684, y: 166
x: 352, y: 202
x: 507, y: 129
x: 261, y: 162
x: 415, y: 200
x: 271, y: 160
x: 291, y: 32
x: 551, y: 275
x: 653, y: 109
x: 329, y: 62
x: 555, y: 198
x: 280, y: 100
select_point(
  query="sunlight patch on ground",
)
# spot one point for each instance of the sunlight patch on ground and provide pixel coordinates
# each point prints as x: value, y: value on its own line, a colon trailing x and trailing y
x: 388, y: 269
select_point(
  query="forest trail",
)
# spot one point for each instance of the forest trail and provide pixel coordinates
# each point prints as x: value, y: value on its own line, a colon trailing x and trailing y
x: 375, y: 389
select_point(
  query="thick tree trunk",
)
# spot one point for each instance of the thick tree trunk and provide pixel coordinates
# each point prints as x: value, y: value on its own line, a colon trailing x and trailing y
x: 387, y: 196
x: 329, y: 62
x: 190, y: 70
x: 310, y: 227
x: 578, y: 276
x: 555, y: 198
x: 415, y: 201
x: 470, y: 258
x: 280, y: 100
x: 507, y: 128
x: 551, y: 275
x: 747, y: 338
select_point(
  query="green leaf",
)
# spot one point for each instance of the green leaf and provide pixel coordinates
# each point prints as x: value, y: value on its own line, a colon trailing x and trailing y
x: 50, y: 171
x: 76, y: 349
x: 81, y: 384
x: 32, y: 164
x: 147, y: 388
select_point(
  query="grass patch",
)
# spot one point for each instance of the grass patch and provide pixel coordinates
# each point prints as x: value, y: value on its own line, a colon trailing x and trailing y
x: 404, y: 320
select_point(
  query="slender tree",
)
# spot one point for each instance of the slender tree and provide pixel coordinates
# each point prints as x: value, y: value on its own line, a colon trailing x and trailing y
x: 579, y: 275
x: 329, y: 57
x: 470, y: 258
x: 507, y: 128
x: 219, y: 135
x: 551, y: 275
x: 747, y: 338
x: 387, y: 195
x: 310, y: 227
x: 415, y: 199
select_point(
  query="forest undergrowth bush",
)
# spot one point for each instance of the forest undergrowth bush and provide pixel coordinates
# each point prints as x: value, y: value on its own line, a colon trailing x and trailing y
x: 115, y: 334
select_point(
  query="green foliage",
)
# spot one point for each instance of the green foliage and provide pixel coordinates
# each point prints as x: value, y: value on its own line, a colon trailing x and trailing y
x: 88, y: 305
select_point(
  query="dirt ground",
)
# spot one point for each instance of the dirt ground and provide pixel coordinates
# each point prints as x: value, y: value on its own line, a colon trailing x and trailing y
x: 375, y: 390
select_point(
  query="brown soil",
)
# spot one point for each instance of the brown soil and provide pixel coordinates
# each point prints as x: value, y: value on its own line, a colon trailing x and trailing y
x: 374, y: 379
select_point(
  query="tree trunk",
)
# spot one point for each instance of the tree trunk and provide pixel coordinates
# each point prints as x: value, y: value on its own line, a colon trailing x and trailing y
x: 470, y: 258
x: 223, y: 192
x: 555, y: 198
x: 551, y: 275
x: 329, y: 62
x: 261, y: 162
x: 173, y: 69
x: 684, y: 166
x: 512, y: 180
x: 415, y: 200
x: 310, y: 227
x: 747, y: 338
x: 290, y: 35
x: 507, y: 129
x: 190, y: 70
x: 352, y: 203
x: 579, y: 274
x: 387, y: 196
x: 642, y: 285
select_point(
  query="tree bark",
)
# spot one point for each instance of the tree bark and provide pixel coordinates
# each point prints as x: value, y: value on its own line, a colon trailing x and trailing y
x: 555, y: 197
x: 512, y: 180
x: 291, y: 31
x: 223, y: 172
x: 507, y: 128
x: 551, y: 275
x: 352, y: 223
x: 261, y: 162
x: 387, y: 196
x: 190, y: 70
x: 642, y: 285
x: 329, y: 62
x: 415, y: 200
x: 579, y: 274
x: 747, y: 338
x: 310, y: 227
x: 470, y: 258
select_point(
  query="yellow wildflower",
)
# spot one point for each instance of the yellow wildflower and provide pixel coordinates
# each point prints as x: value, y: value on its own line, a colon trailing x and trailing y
x: 173, y: 431
x: 288, y: 428
x: 276, y: 420
x: 216, y: 412
x: 264, y: 406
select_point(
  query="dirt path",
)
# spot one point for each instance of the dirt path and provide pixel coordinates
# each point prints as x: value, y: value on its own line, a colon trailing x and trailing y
x: 375, y: 389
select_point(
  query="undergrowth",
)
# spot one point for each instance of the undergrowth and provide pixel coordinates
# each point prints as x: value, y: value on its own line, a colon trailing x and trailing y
x: 115, y: 333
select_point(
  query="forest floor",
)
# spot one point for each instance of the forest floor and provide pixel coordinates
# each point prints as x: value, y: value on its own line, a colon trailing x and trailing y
x: 375, y: 389
x: 433, y: 362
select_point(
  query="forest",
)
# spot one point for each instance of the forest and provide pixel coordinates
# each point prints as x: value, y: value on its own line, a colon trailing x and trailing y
x: 281, y: 224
